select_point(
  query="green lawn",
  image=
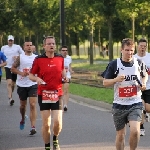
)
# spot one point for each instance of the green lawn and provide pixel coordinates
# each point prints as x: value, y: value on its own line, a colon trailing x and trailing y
x: 99, y: 94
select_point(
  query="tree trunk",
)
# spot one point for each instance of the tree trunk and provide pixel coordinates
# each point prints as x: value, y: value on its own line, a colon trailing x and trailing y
x: 110, y: 46
x: 91, y: 44
x: 99, y: 39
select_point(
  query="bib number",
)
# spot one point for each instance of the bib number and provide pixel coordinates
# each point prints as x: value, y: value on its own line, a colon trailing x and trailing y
x: 49, y: 96
x: 129, y: 91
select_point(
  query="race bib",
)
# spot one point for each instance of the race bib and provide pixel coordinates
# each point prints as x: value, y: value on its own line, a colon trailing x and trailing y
x: 148, y: 71
x: 26, y: 69
x: 128, y: 91
x: 49, y: 96
x: 66, y: 68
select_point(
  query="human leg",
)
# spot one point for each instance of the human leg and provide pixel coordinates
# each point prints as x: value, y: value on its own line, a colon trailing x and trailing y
x: 10, y: 84
x: 120, y: 139
x: 32, y: 93
x: 57, y: 127
x: 134, y: 134
x: 46, y: 122
x: 66, y: 95
x: 135, y: 118
x: 33, y: 114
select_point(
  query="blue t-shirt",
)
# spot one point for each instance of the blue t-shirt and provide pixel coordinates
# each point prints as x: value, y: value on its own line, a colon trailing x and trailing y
x: 2, y: 59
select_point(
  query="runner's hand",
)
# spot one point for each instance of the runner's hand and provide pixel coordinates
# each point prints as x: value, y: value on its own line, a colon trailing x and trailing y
x: 39, y: 81
x: 66, y: 79
x: 143, y: 87
x: 120, y: 78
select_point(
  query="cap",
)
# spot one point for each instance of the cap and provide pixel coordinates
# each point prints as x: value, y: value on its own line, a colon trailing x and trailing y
x: 10, y: 37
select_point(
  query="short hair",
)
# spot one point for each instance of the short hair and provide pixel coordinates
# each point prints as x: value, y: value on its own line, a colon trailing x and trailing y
x: 48, y: 37
x: 142, y: 40
x: 128, y: 42
x: 64, y: 46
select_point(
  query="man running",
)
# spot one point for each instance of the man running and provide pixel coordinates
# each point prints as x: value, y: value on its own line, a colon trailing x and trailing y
x: 68, y: 68
x: 144, y: 56
x: 124, y: 73
x: 11, y: 51
x: 2, y: 63
x: 48, y: 71
x: 26, y: 88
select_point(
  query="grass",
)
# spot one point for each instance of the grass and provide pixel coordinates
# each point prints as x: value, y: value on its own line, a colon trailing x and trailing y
x: 99, y: 94
x: 87, y: 66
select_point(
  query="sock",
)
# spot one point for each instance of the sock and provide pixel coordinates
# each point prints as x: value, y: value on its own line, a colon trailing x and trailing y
x: 47, y: 146
x: 33, y: 127
x: 141, y: 126
x: 10, y: 99
x: 55, y: 137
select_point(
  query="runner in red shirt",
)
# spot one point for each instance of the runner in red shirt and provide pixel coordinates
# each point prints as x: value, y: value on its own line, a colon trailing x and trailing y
x: 48, y: 71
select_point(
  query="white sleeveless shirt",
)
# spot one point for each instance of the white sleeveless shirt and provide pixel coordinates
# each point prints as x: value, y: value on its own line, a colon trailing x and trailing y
x: 67, y: 62
x: 127, y: 92
x: 25, y: 65
x: 146, y: 60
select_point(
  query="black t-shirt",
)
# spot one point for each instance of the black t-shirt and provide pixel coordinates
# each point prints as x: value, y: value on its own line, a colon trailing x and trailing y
x: 112, y: 71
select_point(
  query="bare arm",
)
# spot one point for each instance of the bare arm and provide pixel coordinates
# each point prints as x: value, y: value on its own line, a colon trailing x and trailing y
x: 110, y: 82
x: 34, y: 78
x: 3, y: 64
x: 15, y: 66
x: 70, y: 69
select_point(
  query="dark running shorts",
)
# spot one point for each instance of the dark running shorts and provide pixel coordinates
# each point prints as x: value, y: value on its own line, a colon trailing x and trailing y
x: 146, y: 96
x: 10, y: 75
x: 49, y: 106
x: 122, y: 114
x: 25, y: 92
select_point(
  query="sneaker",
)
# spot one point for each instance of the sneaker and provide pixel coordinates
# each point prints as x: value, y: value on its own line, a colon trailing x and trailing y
x: 22, y: 123
x: 147, y: 117
x: 65, y: 108
x: 11, y: 102
x: 56, y: 145
x: 32, y: 131
x: 142, y: 132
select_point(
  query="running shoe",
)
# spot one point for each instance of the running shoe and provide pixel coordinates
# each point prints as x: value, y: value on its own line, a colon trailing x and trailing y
x: 147, y: 117
x: 142, y: 132
x: 32, y: 131
x: 65, y: 108
x: 56, y: 145
x: 22, y: 123
x: 11, y: 102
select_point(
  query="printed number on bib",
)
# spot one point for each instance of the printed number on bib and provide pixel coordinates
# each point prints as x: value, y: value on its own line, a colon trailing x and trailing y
x: 128, y: 91
x: 49, y: 96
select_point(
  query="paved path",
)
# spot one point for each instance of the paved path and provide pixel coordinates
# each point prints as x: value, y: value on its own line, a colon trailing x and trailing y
x: 85, y: 127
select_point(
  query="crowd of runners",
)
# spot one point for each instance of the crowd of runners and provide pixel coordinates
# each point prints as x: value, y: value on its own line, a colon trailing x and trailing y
x: 45, y: 78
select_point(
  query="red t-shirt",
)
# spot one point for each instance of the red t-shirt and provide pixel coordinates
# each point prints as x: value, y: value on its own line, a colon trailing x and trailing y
x: 50, y: 71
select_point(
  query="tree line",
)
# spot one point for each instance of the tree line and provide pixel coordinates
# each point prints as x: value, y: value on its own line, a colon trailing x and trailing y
x: 97, y: 21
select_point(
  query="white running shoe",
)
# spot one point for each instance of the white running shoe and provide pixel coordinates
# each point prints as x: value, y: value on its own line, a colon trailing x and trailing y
x: 147, y: 117
x: 142, y: 132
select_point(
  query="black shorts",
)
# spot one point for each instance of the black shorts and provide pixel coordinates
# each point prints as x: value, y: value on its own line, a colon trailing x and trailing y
x: 25, y: 92
x: 0, y: 78
x: 10, y: 75
x: 146, y: 96
x: 49, y: 106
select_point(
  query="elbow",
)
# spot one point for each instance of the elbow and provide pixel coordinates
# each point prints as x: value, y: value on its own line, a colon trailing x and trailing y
x: 105, y: 83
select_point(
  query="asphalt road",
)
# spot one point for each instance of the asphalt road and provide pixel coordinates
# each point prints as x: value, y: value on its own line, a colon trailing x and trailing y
x: 85, y: 127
